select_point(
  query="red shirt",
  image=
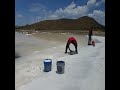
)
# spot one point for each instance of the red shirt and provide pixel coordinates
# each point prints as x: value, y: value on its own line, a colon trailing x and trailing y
x: 70, y: 40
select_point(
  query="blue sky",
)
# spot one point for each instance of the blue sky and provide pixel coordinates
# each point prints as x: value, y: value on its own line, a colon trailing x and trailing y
x: 32, y: 11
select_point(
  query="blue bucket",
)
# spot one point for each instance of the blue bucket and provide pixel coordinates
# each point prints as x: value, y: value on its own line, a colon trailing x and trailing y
x: 47, y: 65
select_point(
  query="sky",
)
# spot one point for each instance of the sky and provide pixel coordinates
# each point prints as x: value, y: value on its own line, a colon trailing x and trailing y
x: 32, y: 11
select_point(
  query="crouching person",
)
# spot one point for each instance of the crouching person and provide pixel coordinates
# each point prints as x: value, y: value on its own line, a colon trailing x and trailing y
x: 74, y: 42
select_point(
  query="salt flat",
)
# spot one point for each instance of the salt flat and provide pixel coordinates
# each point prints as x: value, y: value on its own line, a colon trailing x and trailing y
x: 83, y: 71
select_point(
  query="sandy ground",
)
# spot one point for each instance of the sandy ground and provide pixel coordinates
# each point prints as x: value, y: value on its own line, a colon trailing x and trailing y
x: 81, y: 69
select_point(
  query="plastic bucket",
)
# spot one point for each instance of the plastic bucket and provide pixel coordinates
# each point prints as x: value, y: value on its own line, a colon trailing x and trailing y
x: 60, y: 67
x: 47, y: 65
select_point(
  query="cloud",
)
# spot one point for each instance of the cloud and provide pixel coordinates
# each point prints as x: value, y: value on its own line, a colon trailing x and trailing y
x: 39, y: 12
x: 53, y: 17
x: 99, y: 16
x: 19, y: 16
x: 36, y: 7
x: 100, y: 2
x: 71, y: 11
x: 74, y: 11
x: 71, y: 6
x: 35, y: 19
x: 91, y: 2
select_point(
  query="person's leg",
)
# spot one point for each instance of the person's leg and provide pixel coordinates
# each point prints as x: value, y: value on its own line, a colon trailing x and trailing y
x: 67, y: 46
x: 75, y: 46
x: 89, y: 40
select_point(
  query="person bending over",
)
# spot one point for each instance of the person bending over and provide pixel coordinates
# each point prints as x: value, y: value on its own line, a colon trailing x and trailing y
x: 74, y: 42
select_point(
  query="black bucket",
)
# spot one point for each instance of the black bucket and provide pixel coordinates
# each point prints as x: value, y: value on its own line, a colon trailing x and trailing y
x: 60, y: 67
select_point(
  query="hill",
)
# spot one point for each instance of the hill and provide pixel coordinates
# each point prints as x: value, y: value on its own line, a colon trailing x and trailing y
x: 82, y: 23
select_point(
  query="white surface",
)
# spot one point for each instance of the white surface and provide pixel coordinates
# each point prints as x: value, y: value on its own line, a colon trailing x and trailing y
x: 83, y: 71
